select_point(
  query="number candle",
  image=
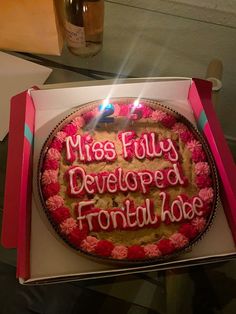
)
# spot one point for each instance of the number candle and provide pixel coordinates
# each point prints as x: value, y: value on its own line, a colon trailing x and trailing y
x: 136, y: 111
x: 106, y: 110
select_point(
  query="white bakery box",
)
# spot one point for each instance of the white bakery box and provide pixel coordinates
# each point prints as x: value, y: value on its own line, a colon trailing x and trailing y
x: 42, y: 257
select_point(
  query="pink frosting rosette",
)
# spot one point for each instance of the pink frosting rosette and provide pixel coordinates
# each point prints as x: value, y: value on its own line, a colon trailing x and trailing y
x: 203, y: 181
x: 194, y: 145
x: 119, y: 252
x: 70, y: 129
x: 78, y: 122
x: 116, y: 110
x: 201, y: 168
x: 49, y: 176
x: 198, y: 155
x: 53, y: 154
x: 206, y: 194
x: 199, y: 223
x: 68, y: 225
x: 61, y: 136
x: 178, y: 240
x: 50, y: 164
x: 54, y: 202
x: 151, y: 250
x: 179, y: 128
x: 89, y: 244
x: 158, y: 115
x: 187, y: 137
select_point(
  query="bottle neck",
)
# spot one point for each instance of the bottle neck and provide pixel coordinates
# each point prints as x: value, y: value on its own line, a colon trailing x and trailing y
x: 74, y: 12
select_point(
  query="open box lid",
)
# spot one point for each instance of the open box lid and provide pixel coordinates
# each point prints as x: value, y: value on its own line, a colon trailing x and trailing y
x: 198, y: 90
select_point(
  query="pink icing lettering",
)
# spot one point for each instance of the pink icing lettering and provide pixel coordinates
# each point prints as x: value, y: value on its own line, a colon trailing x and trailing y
x: 146, y: 179
x: 107, y: 217
x: 112, y: 183
x: 71, y: 144
x: 121, y: 183
x: 139, y: 149
x: 174, y: 177
x: 109, y: 220
x: 72, y: 175
x: 110, y: 152
x: 97, y: 149
x: 80, y: 182
x: 125, y: 143
x: 176, y: 208
x: 114, y: 215
x: 130, y: 214
x: 88, y: 184
x: 100, y: 183
x: 80, y: 207
x: 186, y: 209
x: 167, y: 146
x: 131, y: 181
x: 85, y: 149
x: 147, y: 146
x: 158, y: 179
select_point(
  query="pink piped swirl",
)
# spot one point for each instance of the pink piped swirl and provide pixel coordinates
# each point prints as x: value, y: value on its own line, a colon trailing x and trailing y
x: 54, y: 202
x: 186, y: 136
x: 158, y: 115
x: 56, y: 144
x: 68, y: 225
x: 89, y: 244
x: 203, y: 181
x: 116, y: 110
x: 193, y: 145
x: 168, y: 121
x: 178, y: 240
x: 49, y: 176
x: 206, y: 194
x: 88, y: 138
x: 78, y: 122
x: 53, y: 154
x: 50, y: 164
x: 198, y: 155
x: 179, y: 128
x: 51, y: 189
x: 151, y: 250
x: 124, y: 110
x: 96, y: 111
x: 146, y: 111
x: 202, y: 168
x: 70, y: 129
x: 199, y: 223
x: 119, y: 252
x: 88, y: 116
x: 61, y: 136
x: 133, y: 116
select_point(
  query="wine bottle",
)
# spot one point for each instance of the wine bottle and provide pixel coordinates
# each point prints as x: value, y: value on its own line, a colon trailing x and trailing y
x: 84, y: 26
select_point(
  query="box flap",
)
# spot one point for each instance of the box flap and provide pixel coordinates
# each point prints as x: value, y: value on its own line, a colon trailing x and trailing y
x: 18, y: 188
x: 209, y: 124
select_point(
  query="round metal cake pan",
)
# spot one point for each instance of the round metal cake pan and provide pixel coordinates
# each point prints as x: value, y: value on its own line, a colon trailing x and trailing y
x: 155, y: 104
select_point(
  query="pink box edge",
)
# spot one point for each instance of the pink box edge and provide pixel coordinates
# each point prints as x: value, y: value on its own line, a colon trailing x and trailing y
x: 17, y: 201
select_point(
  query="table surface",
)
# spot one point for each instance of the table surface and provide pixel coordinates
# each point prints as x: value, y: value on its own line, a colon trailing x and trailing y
x: 142, y: 40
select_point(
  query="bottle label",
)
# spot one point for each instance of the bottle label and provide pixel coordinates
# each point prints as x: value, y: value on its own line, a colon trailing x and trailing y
x: 75, y: 35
